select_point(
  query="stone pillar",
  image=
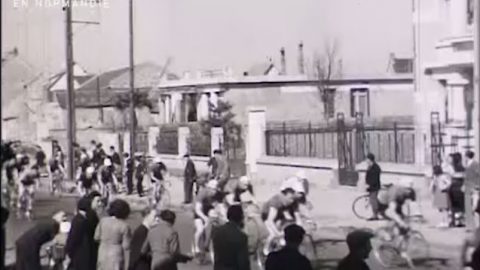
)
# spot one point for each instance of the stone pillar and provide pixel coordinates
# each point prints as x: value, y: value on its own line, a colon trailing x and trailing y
x: 187, y: 99
x: 202, y: 107
x: 458, y: 17
x: 255, y: 144
x: 183, y: 135
x: 161, y: 111
x: 176, y: 107
x: 214, y: 98
x: 168, y: 108
x: 216, y: 138
x: 153, y: 133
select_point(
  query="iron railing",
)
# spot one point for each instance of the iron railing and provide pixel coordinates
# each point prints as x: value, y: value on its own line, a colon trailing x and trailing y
x: 167, y: 142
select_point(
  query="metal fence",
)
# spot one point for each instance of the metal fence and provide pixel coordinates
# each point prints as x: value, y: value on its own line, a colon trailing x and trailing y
x: 199, y: 144
x: 388, y: 142
x: 167, y: 141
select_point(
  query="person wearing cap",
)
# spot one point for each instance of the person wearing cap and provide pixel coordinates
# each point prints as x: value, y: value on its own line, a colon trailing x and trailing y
x: 78, y: 247
x: 204, y: 202
x: 107, y: 176
x: 189, y: 178
x: 359, y: 247
x: 87, y: 180
x: 289, y: 256
x: 140, y: 171
x: 157, y: 175
x: 28, y: 245
x: 235, y: 189
x: 56, y: 173
x: 163, y: 243
x: 391, y: 201
x: 28, y: 180
x: 372, y: 178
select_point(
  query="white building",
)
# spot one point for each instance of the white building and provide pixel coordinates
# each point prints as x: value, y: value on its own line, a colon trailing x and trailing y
x: 444, y: 73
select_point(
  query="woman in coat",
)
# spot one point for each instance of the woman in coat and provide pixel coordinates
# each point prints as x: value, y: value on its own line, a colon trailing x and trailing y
x: 93, y: 220
x: 78, y: 247
x: 114, y: 236
x: 439, y: 187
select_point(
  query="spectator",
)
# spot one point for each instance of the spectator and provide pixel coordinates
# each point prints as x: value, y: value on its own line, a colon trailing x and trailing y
x: 439, y: 187
x: 472, y: 181
x: 140, y: 174
x: 93, y: 220
x: 115, y: 156
x: 114, y: 236
x: 139, y: 237
x: 28, y: 245
x: 223, y: 169
x: 163, y: 243
x: 4, y: 216
x: 230, y: 243
x: 78, y: 246
x: 359, y: 247
x: 373, y: 182
x: 190, y: 176
x: 456, y: 194
x: 289, y: 257
x: 129, y: 163
x: 213, y: 166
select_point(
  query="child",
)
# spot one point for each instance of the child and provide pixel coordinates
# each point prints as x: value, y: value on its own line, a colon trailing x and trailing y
x: 439, y: 187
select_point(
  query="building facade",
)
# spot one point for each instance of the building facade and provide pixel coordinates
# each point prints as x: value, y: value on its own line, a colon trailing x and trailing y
x: 444, y: 75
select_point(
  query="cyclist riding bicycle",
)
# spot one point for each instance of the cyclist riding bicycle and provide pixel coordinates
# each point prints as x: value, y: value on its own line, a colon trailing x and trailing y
x: 28, y: 180
x: 392, y: 199
x: 234, y: 190
x: 87, y: 180
x: 108, y: 181
x: 157, y: 178
x: 275, y: 213
x: 56, y: 173
x: 204, y: 202
x: 12, y: 169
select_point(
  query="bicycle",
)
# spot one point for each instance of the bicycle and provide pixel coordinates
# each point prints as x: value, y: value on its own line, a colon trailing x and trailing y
x: 161, y: 195
x: 57, y: 181
x: 395, y: 245
x: 206, y: 243
x: 25, y: 204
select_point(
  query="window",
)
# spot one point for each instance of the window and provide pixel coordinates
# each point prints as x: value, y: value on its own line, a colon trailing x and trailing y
x: 359, y: 102
x: 330, y: 102
x: 403, y: 66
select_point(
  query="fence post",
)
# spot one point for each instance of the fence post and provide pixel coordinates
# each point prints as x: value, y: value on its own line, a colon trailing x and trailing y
x: 310, y: 139
x: 395, y: 139
x: 284, y: 140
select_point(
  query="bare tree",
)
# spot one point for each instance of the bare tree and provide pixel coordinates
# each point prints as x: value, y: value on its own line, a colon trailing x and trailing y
x: 327, y: 67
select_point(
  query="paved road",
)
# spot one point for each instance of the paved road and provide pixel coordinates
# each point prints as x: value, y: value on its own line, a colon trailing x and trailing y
x: 330, y: 248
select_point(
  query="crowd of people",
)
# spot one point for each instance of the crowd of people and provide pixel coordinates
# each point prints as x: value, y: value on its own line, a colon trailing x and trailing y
x: 228, y: 221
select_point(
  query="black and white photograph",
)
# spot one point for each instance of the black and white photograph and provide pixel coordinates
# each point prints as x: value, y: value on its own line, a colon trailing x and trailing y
x: 240, y: 134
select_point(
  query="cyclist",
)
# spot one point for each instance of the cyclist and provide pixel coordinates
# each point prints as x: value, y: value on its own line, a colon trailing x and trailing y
x: 275, y: 212
x: 108, y: 181
x: 204, y: 202
x: 392, y: 200
x: 28, y: 179
x: 235, y: 189
x: 56, y: 173
x: 299, y: 209
x: 157, y: 174
x: 87, y: 180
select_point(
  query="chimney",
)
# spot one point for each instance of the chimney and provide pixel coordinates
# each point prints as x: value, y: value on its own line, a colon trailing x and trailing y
x: 283, y: 70
x: 301, y: 61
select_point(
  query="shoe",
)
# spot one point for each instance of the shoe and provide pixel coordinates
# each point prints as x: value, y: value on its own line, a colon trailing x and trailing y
x: 373, y: 219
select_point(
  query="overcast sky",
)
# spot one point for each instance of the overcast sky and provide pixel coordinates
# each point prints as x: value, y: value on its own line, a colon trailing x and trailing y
x: 202, y: 34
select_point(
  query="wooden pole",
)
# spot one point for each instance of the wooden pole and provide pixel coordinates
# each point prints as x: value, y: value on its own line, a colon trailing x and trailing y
x: 132, y: 85
x: 71, y: 125
x: 476, y: 78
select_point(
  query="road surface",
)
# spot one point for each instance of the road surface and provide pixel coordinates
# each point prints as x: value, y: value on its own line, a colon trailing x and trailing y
x: 330, y: 249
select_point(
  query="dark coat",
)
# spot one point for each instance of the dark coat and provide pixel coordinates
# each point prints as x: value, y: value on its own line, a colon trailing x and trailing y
x: 286, y: 259
x: 139, y: 261
x: 230, y: 245
x: 29, y: 244
x: 190, y: 172
x: 92, y: 222
x: 373, y: 177
x: 78, y: 246
x: 4, y: 216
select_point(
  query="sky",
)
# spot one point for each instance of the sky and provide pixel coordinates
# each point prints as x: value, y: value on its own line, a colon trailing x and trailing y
x: 210, y: 34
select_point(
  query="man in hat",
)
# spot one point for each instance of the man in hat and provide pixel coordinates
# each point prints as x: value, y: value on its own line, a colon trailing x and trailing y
x: 359, y: 247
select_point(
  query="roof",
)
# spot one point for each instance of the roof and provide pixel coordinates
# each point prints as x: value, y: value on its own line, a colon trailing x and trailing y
x: 103, y: 79
x: 281, y: 80
x: 147, y: 75
x: 58, y: 82
x: 260, y: 69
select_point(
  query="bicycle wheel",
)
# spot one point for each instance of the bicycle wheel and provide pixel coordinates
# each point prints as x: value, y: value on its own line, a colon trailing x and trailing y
x: 387, y: 255
x: 415, y: 245
x: 361, y: 207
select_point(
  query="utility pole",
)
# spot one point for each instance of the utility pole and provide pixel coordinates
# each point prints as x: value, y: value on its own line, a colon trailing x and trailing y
x: 476, y: 76
x: 132, y: 87
x: 71, y: 124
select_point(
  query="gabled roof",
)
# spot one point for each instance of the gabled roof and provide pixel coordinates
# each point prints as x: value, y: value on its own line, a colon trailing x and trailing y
x: 59, y: 81
x: 103, y: 79
x: 147, y: 75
